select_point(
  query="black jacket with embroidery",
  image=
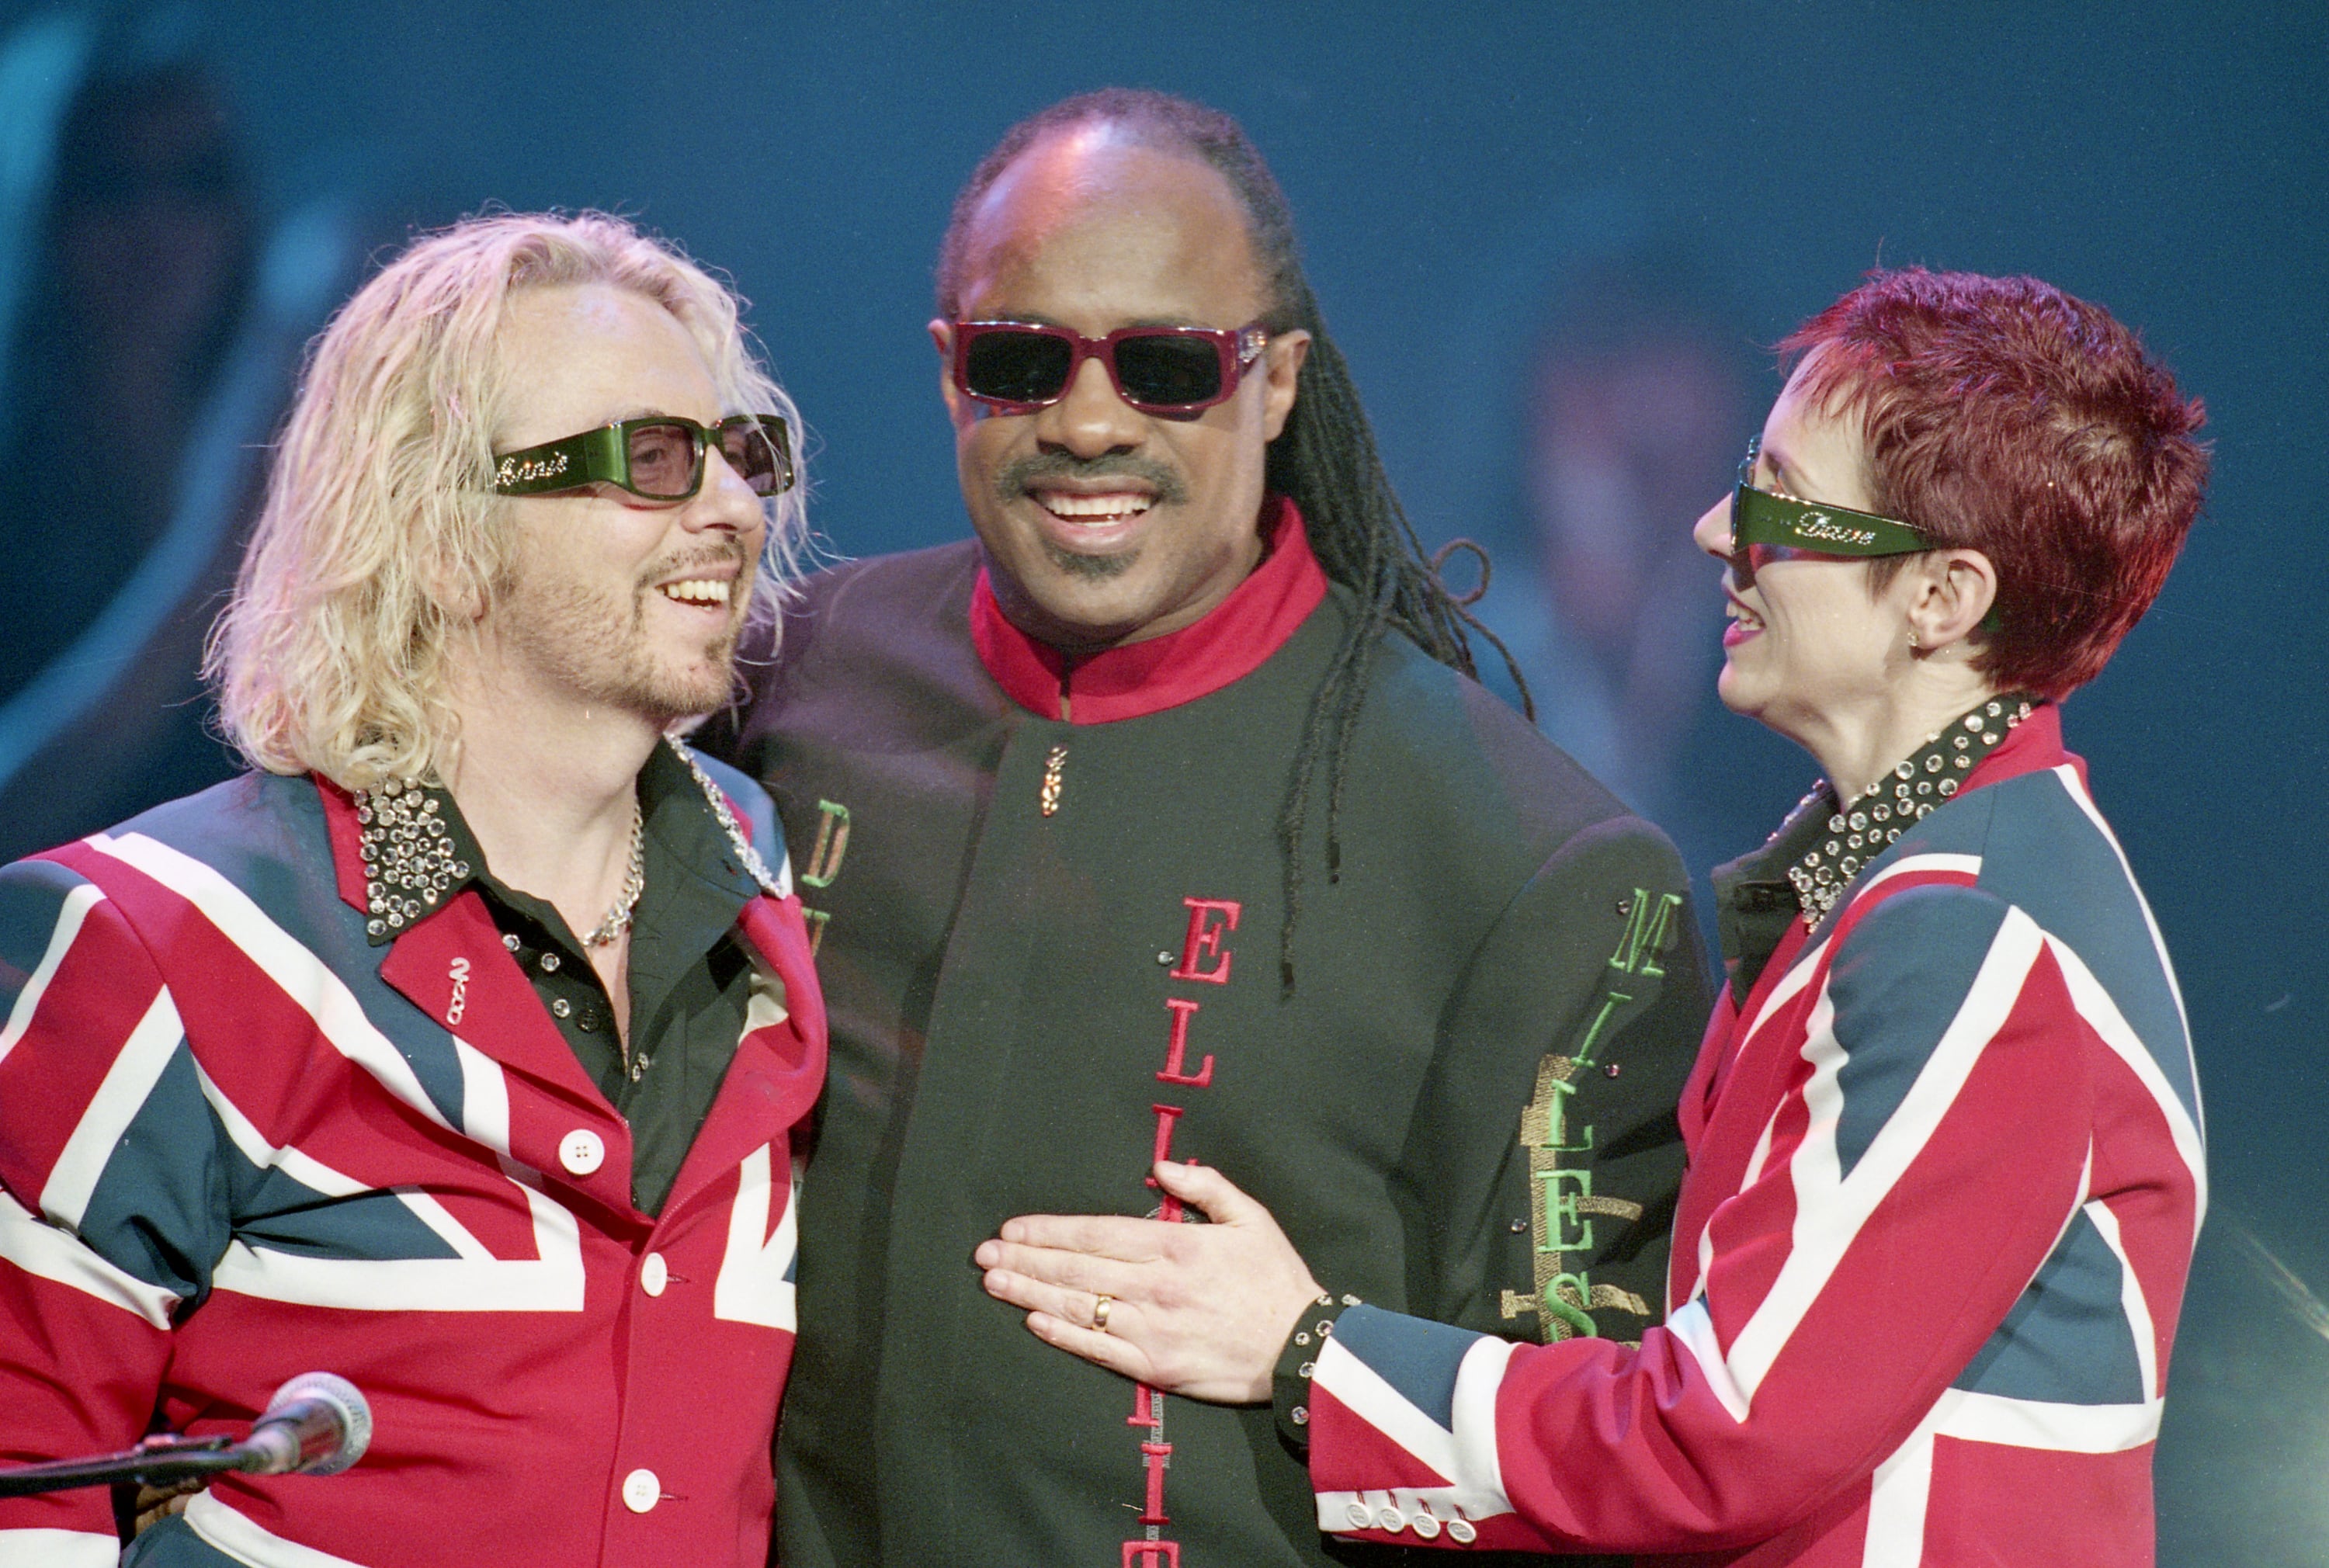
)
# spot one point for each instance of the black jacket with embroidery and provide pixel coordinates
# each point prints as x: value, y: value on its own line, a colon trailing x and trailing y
x: 1506, y: 964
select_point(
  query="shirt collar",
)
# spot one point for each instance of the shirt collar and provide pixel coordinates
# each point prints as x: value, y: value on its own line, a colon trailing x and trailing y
x: 1759, y: 895
x: 1235, y: 638
x: 418, y: 853
x: 1855, y: 834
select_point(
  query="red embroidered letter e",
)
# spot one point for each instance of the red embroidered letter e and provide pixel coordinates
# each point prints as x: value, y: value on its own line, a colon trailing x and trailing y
x: 1210, y: 920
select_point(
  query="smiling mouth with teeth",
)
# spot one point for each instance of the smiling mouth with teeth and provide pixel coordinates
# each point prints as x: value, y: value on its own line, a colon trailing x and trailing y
x: 1094, y: 509
x: 708, y: 592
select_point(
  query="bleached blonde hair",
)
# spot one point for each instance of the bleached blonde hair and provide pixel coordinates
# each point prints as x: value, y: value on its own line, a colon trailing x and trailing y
x: 381, y: 523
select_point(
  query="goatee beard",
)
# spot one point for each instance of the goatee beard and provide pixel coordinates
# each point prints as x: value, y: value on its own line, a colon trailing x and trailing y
x: 1091, y: 569
x: 1020, y: 478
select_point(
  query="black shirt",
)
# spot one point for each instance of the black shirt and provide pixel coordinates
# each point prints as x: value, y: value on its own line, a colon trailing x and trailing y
x: 689, y: 976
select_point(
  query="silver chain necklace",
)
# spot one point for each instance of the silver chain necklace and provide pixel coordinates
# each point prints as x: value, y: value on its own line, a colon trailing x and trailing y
x: 635, y: 881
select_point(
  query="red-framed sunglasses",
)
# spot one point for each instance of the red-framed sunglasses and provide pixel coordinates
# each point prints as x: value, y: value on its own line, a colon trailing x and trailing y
x: 1018, y: 367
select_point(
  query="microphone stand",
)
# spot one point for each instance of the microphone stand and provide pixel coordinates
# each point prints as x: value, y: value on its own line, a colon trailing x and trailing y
x: 159, y: 1460
x: 317, y: 1425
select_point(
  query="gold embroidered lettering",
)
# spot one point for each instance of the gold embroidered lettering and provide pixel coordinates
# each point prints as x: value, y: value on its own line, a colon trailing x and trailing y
x: 831, y: 845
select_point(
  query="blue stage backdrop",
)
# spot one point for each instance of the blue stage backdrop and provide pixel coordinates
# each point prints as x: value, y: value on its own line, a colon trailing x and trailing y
x: 1483, y: 191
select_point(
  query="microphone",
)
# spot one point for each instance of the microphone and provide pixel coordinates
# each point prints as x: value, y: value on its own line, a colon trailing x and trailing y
x: 317, y: 1425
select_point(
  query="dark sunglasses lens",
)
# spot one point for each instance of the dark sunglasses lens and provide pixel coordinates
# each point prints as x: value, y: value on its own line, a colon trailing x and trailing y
x: 752, y: 451
x: 663, y: 461
x: 1016, y: 367
x: 1167, y: 371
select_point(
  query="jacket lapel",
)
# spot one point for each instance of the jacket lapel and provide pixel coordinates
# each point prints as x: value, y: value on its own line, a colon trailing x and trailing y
x: 779, y: 1069
x: 453, y: 967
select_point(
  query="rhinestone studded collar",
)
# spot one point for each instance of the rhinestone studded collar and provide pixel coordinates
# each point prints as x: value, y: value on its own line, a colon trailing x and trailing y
x: 1859, y: 832
x: 417, y: 852
x: 713, y: 796
x: 414, y: 858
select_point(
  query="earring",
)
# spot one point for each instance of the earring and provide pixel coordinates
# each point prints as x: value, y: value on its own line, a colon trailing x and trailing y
x: 1912, y: 637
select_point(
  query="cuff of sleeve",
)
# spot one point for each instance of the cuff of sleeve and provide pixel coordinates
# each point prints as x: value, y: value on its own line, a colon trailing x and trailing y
x: 1290, y: 1382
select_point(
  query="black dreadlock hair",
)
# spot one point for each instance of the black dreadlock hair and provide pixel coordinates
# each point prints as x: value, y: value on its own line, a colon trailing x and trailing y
x: 1324, y: 460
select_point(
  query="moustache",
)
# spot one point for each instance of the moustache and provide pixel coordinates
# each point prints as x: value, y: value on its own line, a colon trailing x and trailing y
x: 685, y: 561
x: 1022, y: 474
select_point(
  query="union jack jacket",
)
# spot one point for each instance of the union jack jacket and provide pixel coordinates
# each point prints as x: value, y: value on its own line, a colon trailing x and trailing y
x: 1945, y: 1170
x: 239, y: 1142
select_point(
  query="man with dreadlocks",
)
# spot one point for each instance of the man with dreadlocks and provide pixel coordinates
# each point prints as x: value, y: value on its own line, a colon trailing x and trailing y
x: 1161, y: 820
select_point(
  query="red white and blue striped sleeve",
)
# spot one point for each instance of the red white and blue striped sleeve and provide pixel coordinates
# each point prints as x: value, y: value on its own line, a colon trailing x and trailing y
x: 1916, y: 1157
x: 112, y: 1203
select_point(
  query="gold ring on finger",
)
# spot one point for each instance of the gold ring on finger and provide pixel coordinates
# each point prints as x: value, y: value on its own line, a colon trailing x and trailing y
x: 1100, y: 1307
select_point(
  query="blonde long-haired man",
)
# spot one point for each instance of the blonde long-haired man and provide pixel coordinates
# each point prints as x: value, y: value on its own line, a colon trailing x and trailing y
x: 458, y: 1048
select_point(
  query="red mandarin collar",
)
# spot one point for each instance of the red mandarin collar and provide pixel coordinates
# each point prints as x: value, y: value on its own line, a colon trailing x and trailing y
x: 1235, y: 638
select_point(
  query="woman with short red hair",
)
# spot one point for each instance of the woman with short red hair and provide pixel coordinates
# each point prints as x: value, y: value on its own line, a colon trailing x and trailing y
x: 1945, y: 1163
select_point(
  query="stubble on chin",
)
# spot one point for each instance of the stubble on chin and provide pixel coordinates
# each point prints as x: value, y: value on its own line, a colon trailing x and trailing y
x: 1090, y: 569
x: 694, y: 693
x: 600, y: 646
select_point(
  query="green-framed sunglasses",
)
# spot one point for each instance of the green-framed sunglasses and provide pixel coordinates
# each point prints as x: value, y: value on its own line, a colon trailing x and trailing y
x: 659, y: 457
x: 1765, y: 527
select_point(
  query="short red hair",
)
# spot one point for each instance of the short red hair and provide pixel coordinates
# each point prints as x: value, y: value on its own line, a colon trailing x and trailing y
x: 2003, y: 415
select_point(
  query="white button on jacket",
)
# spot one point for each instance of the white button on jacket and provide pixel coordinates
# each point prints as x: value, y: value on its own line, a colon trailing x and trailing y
x: 582, y: 1151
